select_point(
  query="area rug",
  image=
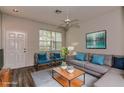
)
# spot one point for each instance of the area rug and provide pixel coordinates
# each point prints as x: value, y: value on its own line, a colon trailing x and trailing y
x: 43, y: 78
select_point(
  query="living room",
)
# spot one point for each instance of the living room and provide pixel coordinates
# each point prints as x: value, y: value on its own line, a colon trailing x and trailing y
x: 29, y: 30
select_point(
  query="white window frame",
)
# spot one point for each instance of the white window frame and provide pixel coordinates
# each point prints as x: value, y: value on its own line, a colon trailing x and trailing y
x: 52, y: 42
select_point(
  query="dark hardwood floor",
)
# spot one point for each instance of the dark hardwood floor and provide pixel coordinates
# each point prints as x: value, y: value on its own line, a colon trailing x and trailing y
x: 22, y: 77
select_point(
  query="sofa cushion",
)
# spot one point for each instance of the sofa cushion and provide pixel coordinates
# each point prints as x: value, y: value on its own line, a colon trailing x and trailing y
x: 97, y: 68
x: 80, y: 56
x: 43, y: 61
x: 98, y: 59
x: 93, y: 72
x: 108, y: 60
x: 113, y: 78
x: 70, y: 57
x: 76, y: 62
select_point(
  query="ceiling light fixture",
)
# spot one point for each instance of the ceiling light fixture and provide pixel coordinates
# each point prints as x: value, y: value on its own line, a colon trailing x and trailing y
x: 68, y: 23
x: 15, y: 10
x: 58, y: 11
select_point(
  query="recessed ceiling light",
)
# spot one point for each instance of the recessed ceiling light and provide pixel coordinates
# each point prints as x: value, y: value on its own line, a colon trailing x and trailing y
x: 58, y: 11
x: 15, y: 10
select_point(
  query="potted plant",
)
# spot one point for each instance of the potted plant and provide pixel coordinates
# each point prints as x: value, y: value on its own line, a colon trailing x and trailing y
x: 64, y: 52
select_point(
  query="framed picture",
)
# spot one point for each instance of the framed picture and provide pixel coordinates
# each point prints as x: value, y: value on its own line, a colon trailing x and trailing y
x: 96, y: 40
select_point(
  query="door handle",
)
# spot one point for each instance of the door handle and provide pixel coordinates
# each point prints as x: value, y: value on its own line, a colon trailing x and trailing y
x: 25, y: 50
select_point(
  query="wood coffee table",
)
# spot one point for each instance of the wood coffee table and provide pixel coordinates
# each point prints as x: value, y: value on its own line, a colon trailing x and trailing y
x: 67, y: 79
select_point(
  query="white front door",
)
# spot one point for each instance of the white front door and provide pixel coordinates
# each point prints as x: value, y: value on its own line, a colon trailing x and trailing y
x: 15, y: 49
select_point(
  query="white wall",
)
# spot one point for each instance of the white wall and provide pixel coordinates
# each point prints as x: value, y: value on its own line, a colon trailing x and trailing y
x: 111, y: 21
x: 123, y: 26
x: 0, y: 31
x: 11, y: 23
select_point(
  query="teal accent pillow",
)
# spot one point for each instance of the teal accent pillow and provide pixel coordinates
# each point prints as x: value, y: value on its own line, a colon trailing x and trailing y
x: 42, y: 56
x: 57, y: 55
x: 98, y: 59
x: 80, y: 56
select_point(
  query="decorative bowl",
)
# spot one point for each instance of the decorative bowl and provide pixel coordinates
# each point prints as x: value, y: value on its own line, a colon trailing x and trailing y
x: 71, y: 71
x: 63, y: 67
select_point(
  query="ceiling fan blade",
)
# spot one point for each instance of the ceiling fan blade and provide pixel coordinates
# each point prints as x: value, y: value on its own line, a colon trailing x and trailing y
x: 75, y: 20
x: 63, y: 21
x: 75, y: 25
x: 61, y: 27
x: 62, y: 24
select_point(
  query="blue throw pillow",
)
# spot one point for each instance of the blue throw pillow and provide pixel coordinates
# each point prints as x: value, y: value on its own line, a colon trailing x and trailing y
x: 42, y: 56
x: 80, y: 56
x: 118, y: 63
x: 98, y: 59
x: 57, y: 55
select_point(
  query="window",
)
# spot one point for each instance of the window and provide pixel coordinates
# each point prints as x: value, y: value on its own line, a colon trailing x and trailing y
x: 49, y: 40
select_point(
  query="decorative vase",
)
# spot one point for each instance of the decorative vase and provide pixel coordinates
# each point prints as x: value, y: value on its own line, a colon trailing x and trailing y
x: 63, y: 65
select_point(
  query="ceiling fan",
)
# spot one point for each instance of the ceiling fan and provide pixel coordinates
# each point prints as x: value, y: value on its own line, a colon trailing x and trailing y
x: 68, y: 23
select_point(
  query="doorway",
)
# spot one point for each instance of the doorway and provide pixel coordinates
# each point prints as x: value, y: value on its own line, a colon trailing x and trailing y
x: 15, y: 49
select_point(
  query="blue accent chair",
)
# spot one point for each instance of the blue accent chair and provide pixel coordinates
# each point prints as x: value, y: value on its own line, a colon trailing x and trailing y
x: 41, y: 59
x: 57, y: 57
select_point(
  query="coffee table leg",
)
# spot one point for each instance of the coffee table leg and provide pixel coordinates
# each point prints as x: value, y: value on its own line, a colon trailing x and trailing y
x: 84, y: 78
x: 52, y: 73
x: 69, y: 83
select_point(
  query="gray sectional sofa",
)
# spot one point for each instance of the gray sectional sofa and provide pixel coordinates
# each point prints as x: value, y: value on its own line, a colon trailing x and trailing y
x: 108, y: 76
x: 113, y: 78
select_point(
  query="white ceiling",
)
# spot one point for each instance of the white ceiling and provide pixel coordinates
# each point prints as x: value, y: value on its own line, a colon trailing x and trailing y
x: 46, y: 14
